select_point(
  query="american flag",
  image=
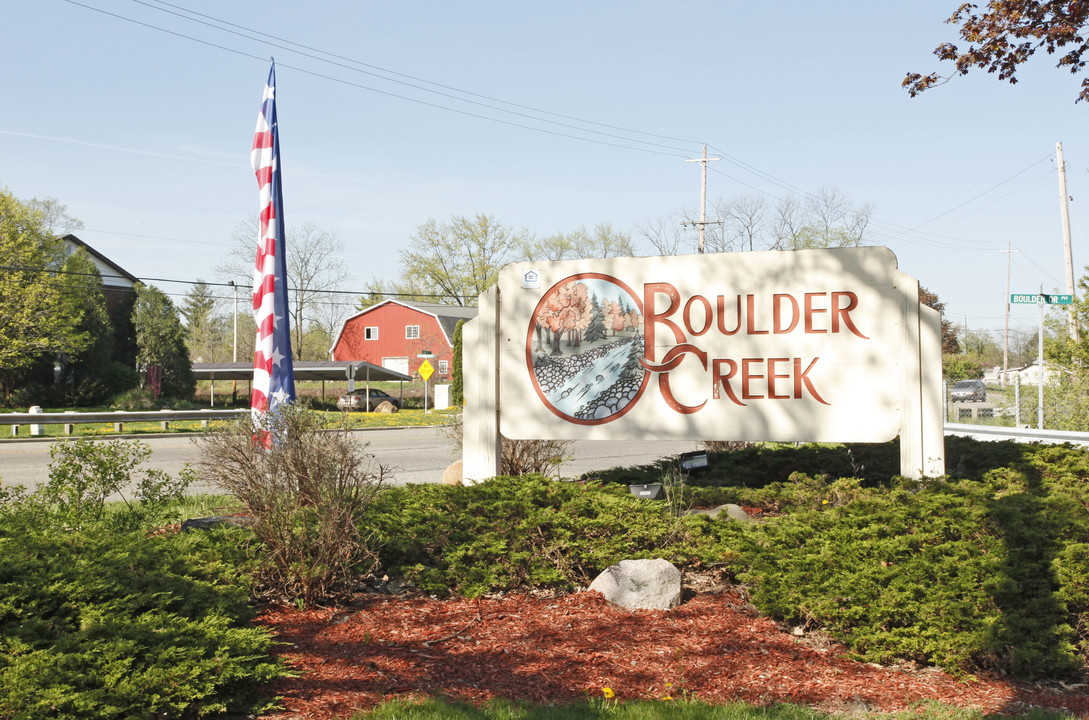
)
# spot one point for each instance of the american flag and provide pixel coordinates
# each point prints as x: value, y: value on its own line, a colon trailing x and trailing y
x: 273, y: 372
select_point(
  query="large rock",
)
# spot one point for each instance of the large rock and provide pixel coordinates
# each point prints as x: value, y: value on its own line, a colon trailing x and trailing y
x: 640, y: 584
x: 386, y: 407
x: 453, y: 474
x: 734, y: 512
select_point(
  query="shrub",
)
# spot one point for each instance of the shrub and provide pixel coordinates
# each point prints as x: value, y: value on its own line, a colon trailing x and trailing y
x: 983, y: 572
x: 134, y: 400
x: 532, y: 457
x: 114, y: 625
x: 84, y: 473
x: 518, y: 457
x: 307, y: 494
x: 513, y: 533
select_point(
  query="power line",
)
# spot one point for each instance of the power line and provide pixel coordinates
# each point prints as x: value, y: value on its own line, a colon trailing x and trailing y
x: 408, y: 98
x: 412, y: 77
x: 360, y: 293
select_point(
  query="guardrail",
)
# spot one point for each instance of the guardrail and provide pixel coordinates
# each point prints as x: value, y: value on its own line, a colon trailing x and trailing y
x: 118, y: 418
x: 995, y: 432
x: 165, y: 417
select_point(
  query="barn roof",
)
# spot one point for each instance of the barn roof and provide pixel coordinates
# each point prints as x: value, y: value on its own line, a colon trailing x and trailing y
x: 447, y: 315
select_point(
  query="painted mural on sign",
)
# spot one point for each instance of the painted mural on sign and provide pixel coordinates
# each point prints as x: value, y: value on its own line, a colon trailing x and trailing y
x: 585, y: 347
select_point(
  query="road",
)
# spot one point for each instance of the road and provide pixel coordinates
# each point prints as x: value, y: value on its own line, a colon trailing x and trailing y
x: 416, y: 455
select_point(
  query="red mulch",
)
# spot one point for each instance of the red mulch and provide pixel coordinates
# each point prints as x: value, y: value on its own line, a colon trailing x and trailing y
x: 554, y: 650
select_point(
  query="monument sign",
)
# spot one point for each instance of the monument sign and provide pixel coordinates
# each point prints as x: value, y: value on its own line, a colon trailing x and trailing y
x: 811, y: 345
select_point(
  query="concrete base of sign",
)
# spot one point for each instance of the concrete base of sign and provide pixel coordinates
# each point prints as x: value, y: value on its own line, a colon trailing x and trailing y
x: 480, y: 379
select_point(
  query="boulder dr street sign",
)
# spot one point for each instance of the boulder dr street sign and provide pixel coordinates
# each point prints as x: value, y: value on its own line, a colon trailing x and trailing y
x: 1030, y: 298
x: 812, y: 345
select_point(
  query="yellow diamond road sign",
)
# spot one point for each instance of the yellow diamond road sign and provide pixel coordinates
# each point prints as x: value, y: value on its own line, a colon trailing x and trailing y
x: 426, y: 370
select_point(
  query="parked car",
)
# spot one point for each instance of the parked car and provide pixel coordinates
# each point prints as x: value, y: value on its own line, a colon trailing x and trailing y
x: 969, y: 391
x: 357, y: 400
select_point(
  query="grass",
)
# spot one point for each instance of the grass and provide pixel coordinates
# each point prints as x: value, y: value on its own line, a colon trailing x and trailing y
x: 201, y: 505
x: 655, y: 710
x: 411, y: 417
x: 319, y: 398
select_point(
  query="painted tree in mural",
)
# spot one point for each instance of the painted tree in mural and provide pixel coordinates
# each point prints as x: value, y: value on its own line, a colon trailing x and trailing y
x: 615, y: 317
x: 566, y: 311
x: 633, y: 368
x: 596, y: 329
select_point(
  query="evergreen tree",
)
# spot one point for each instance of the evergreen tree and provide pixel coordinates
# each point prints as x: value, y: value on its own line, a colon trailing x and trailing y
x: 160, y: 338
x: 596, y: 330
x: 205, y: 335
x: 633, y: 368
x: 457, y: 388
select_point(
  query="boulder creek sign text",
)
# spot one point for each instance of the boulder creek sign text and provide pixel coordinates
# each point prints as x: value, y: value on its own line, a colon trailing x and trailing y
x: 814, y: 345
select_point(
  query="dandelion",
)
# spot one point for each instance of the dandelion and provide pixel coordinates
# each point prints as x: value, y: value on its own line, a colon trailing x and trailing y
x: 608, y: 693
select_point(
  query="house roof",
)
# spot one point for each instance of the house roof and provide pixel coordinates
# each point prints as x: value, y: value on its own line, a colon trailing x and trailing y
x: 447, y: 315
x: 109, y: 270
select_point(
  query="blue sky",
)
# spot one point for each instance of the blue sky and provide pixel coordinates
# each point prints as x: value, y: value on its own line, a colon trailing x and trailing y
x: 145, y: 134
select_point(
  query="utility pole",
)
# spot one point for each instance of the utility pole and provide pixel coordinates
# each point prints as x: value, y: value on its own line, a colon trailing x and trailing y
x: 703, y: 197
x: 1064, y: 209
x: 1006, y: 336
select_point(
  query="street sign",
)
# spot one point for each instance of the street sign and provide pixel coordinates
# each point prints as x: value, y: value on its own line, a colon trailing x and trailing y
x: 426, y: 370
x: 426, y: 354
x: 1033, y: 298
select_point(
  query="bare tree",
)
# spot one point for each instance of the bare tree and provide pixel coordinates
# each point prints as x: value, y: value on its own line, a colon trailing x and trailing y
x: 824, y: 219
x: 665, y: 234
x: 313, y: 269
x: 746, y: 218
x: 55, y: 217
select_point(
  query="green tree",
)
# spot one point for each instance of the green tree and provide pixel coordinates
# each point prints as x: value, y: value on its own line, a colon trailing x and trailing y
x: 458, y: 260
x: 602, y: 242
x: 35, y: 321
x: 980, y: 344
x: 87, y: 374
x: 161, y: 341
x: 1006, y: 34
x: 205, y: 332
x: 457, y: 385
x: 379, y: 290
x: 961, y: 367
x: 950, y: 343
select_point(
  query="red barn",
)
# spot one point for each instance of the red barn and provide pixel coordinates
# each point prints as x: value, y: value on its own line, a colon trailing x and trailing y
x: 392, y: 333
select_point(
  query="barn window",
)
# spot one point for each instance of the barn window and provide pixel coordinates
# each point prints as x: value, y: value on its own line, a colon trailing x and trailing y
x: 370, y: 333
x: 412, y: 332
